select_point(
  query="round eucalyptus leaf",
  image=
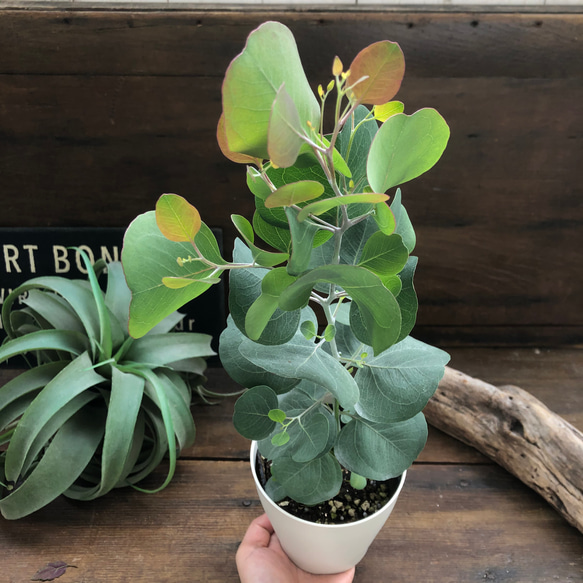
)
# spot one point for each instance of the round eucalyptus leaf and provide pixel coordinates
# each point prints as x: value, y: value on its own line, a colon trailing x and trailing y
x: 251, y: 417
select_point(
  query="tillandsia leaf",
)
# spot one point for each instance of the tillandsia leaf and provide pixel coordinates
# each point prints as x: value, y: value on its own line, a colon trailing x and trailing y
x: 403, y: 222
x: 75, y: 292
x: 405, y: 147
x: 382, y: 65
x: 311, y: 482
x: 63, y: 340
x: 105, y: 338
x: 407, y: 299
x: 17, y: 393
x: 54, y: 309
x: 118, y: 295
x: 176, y: 218
x: 155, y: 389
x: 73, y: 380
x: 262, y: 309
x: 378, y: 308
x: 70, y: 451
x: 251, y: 416
x: 269, y: 60
x: 285, y: 130
x: 240, y: 369
x: 321, y: 206
x: 147, y: 257
x: 380, y: 451
x: 245, y: 288
x: 397, y: 384
x: 294, y: 193
x: 302, y: 237
x: 305, y: 360
x: 383, y: 112
x: 263, y: 258
x: 233, y: 156
x: 160, y: 349
x: 122, y: 412
x: 385, y: 219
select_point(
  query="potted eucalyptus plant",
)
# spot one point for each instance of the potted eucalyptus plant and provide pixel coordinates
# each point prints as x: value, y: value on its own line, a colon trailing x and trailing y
x: 321, y: 311
x: 97, y: 409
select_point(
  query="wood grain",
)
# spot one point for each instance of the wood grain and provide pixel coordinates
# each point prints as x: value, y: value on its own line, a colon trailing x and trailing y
x: 101, y: 112
x: 451, y: 524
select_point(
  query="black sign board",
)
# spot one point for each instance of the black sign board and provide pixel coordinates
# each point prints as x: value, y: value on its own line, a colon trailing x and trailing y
x: 33, y: 252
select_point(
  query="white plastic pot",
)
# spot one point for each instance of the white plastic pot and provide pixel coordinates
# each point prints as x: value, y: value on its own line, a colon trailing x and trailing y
x: 323, y: 548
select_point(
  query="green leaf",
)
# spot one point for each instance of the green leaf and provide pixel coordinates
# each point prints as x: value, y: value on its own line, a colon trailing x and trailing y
x: 118, y: 295
x: 321, y: 206
x: 294, y: 193
x: 397, y: 384
x: 357, y: 482
x: 269, y: 60
x: 309, y: 483
x: 308, y: 329
x: 403, y: 227
x: 329, y: 332
x: 240, y: 369
x: 251, y: 417
x: 382, y: 64
x: 385, y: 219
x: 54, y: 309
x: 262, y: 309
x: 62, y: 463
x: 407, y: 299
x: 147, y: 258
x: 284, y: 131
x: 405, y: 147
x: 303, y: 360
x: 176, y: 218
x: 280, y: 439
x: 245, y: 288
x: 383, y: 112
x: 380, y: 451
x: 277, y: 237
x: 302, y: 237
x: 277, y: 415
x: 354, y: 144
x: 384, y: 255
x: 263, y: 258
x: 378, y: 308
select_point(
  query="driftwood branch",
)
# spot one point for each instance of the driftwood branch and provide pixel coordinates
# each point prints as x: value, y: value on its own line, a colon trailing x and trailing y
x: 518, y: 432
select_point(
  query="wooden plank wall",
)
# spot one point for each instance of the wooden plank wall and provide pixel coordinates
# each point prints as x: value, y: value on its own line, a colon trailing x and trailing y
x: 101, y: 112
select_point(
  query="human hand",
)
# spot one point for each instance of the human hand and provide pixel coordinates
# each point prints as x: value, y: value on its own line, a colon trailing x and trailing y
x: 260, y: 559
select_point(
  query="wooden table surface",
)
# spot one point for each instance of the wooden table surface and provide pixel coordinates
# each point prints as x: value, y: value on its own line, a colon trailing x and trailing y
x: 459, y: 519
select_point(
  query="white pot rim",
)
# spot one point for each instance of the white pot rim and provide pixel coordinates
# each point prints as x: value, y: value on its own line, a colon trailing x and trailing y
x: 252, y: 458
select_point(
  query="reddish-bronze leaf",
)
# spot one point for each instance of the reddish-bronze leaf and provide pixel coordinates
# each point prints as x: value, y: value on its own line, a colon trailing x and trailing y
x: 224, y: 146
x: 383, y: 65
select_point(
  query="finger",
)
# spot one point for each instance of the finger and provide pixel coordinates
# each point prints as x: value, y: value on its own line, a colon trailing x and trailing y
x: 258, y: 534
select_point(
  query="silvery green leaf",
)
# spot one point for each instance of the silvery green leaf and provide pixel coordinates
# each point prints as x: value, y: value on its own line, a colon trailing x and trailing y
x: 407, y: 298
x: 241, y: 369
x: 304, y: 360
x: 245, y: 288
x: 380, y: 451
x: 309, y: 483
x: 404, y: 226
x: 251, y: 416
x: 397, y: 384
